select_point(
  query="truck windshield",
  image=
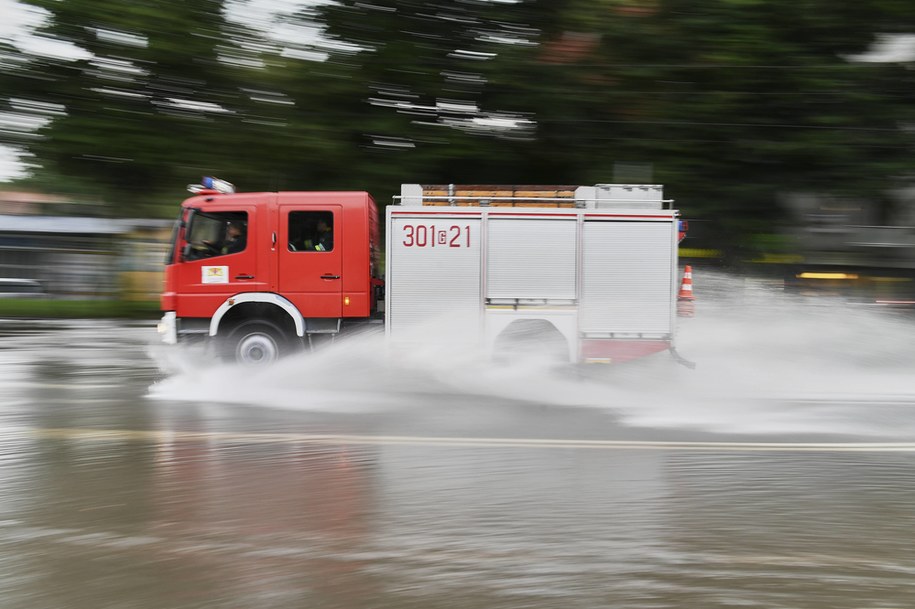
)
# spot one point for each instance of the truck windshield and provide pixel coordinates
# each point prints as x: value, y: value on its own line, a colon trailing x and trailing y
x: 173, y: 241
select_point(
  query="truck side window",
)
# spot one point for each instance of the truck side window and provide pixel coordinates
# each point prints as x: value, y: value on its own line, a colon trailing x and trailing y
x: 311, y: 231
x: 216, y: 234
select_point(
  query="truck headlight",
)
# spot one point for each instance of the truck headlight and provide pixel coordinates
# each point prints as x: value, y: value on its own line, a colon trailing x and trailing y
x: 168, y: 328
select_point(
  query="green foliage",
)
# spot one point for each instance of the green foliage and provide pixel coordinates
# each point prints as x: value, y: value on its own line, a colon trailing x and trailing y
x: 729, y: 102
x: 77, y: 309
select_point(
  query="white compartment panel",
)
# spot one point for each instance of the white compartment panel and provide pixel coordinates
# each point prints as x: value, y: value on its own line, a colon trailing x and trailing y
x: 434, y: 282
x: 529, y: 258
x: 627, y: 277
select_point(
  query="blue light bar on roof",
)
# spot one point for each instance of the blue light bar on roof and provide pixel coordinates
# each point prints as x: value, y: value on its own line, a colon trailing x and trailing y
x: 211, y: 183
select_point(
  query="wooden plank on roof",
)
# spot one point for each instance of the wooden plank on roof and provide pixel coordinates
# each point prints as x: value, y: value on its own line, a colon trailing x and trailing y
x: 465, y: 195
x: 546, y: 194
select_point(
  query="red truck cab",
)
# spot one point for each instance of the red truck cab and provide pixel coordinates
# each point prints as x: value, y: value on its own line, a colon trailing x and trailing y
x: 260, y: 273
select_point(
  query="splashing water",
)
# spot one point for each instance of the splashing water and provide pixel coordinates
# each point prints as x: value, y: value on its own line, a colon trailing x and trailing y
x: 767, y: 363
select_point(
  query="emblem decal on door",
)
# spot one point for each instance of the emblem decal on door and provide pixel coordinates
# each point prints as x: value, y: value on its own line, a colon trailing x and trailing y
x: 214, y: 274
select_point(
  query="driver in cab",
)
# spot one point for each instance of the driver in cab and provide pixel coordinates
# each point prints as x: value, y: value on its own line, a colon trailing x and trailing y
x: 233, y: 242
x: 236, y: 237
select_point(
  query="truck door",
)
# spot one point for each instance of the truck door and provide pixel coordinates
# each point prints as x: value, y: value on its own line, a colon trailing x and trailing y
x: 219, y: 259
x: 310, y: 258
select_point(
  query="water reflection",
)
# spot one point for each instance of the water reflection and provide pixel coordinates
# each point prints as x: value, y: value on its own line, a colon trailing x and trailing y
x: 188, y: 523
x: 188, y: 506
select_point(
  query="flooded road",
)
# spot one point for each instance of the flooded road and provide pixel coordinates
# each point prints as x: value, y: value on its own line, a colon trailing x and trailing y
x: 778, y: 474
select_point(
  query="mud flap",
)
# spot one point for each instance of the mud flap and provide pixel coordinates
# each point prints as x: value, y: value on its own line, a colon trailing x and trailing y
x: 680, y: 359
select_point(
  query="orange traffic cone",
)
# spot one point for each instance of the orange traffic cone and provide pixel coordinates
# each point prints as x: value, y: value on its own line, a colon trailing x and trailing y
x: 686, y: 287
x: 686, y: 307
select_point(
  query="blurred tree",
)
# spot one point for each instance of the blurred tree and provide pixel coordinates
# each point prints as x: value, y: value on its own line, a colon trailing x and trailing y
x: 135, y: 97
x: 727, y: 102
x: 732, y: 102
x: 763, y: 98
x: 413, y: 88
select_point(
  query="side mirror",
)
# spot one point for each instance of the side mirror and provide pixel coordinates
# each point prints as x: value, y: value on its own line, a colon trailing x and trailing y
x: 188, y: 224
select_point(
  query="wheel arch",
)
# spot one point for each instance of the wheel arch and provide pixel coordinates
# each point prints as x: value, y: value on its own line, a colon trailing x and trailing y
x: 257, y: 305
x: 530, y: 331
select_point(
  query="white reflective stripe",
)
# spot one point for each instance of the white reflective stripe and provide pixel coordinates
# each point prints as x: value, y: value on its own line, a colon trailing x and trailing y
x: 167, y: 436
x: 267, y: 297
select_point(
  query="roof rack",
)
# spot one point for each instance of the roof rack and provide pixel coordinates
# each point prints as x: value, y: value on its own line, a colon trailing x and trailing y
x: 628, y: 196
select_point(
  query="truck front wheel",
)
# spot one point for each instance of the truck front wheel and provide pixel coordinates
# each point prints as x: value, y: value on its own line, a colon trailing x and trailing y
x: 254, y: 343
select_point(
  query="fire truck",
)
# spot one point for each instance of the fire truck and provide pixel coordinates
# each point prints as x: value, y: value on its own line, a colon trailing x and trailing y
x: 582, y: 274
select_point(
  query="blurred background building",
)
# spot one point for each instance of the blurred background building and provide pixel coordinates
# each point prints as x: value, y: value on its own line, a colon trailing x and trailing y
x: 80, y: 257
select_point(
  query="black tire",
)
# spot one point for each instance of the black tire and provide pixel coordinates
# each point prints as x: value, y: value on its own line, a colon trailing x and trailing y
x: 254, y: 343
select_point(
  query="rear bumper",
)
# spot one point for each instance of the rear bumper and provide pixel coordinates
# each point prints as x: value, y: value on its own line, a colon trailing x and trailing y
x: 617, y: 350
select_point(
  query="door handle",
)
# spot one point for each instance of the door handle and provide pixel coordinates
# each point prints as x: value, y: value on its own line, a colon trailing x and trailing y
x: 244, y: 276
x: 330, y: 276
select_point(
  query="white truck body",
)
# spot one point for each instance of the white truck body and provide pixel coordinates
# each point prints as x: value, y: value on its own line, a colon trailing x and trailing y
x: 600, y: 267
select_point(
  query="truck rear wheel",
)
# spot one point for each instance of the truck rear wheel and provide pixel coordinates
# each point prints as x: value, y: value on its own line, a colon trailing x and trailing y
x: 531, y: 339
x: 254, y: 343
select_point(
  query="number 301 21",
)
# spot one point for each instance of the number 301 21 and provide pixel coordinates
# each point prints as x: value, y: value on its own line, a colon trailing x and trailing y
x: 421, y: 235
